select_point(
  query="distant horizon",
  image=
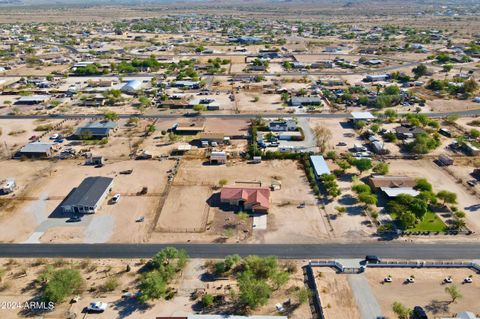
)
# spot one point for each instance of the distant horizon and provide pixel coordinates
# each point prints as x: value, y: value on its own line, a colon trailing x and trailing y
x: 218, y: 2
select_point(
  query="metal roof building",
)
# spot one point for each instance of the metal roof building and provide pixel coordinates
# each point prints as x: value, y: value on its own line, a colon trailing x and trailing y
x: 132, y: 86
x: 305, y: 100
x: 96, y: 129
x: 363, y: 116
x: 320, y: 167
x: 88, y: 196
x: 37, y: 149
x: 32, y: 99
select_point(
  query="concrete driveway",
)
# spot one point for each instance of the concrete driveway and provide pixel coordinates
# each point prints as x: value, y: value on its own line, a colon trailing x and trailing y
x: 366, y: 301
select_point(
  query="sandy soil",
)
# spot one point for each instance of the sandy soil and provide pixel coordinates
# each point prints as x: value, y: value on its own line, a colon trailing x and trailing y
x: 43, y: 191
x: 185, y: 209
x: 310, y: 223
x: 18, y: 287
x: 335, y: 294
x: 427, y: 291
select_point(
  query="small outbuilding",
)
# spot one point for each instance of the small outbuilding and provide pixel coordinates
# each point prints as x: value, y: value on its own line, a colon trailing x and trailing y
x: 218, y: 158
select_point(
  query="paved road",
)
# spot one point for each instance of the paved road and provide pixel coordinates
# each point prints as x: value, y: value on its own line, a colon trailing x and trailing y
x: 465, y: 251
x: 368, y: 305
x: 468, y: 113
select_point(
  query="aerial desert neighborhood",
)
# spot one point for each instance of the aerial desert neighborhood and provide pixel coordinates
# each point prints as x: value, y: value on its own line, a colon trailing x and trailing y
x: 240, y: 159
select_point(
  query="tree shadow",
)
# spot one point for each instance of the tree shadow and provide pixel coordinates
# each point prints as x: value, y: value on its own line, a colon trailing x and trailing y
x: 437, y: 306
x: 128, y: 306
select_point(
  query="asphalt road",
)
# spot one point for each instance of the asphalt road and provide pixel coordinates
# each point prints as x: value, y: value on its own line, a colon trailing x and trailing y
x: 397, y: 250
x: 468, y: 113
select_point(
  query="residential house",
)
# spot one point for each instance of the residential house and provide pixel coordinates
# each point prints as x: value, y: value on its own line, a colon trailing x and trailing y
x: 405, y: 132
x: 377, y: 78
x: 93, y: 100
x: 319, y: 165
x: 191, y: 85
x: 192, y: 129
x: 361, y: 116
x: 88, y: 196
x: 393, y: 186
x: 470, y: 149
x: 282, y: 125
x: 256, y: 199
x: 31, y: 100
x: 96, y: 130
x: 212, y: 138
x: 305, y: 101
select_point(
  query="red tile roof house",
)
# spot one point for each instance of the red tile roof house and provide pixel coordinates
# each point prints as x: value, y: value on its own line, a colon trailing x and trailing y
x: 251, y: 198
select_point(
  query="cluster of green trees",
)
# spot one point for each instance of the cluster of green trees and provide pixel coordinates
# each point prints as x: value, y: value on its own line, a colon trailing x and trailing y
x: 443, y: 58
x: 257, y: 277
x: 421, y: 120
x: 424, y: 143
x: 91, y: 69
x: 113, y: 96
x: 448, y: 85
x: 410, y: 210
x: 137, y: 65
x: 329, y: 181
x: 163, y: 268
x: 364, y: 194
x: 215, y: 65
x: 420, y: 70
x: 57, y: 285
x: 261, y: 62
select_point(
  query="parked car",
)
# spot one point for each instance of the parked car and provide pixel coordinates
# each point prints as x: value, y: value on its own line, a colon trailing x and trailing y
x: 54, y: 136
x: 97, y: 306
x: 74, y: 219
x: 115, y: 198
x: 419, y: 313
x: 372, y: 259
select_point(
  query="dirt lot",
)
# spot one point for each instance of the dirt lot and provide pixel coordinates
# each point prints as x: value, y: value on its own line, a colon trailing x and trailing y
x: 427, y: 291
x: 310, y: 224
x: 16, y: 133
x: 18, y: 286
x: 338, y: 128
x: 336, y: 295
x: 33, y: 216
x: 185, y: 210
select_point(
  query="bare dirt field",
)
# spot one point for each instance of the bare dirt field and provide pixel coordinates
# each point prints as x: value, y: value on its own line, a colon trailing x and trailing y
x: 16, y: 133
x: 185, y: 210
x: 30, y: 214
x: 335, y: 294
x: 428, y: 291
